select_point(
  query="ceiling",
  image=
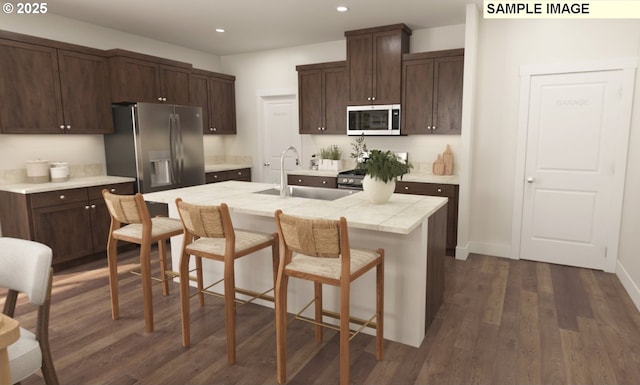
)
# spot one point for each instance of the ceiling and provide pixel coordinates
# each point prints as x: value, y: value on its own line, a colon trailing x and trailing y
x: 256, y: 25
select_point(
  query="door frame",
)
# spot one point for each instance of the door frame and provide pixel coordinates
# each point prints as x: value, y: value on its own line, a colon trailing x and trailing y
x: 628, y: 67
x: 262, y: 96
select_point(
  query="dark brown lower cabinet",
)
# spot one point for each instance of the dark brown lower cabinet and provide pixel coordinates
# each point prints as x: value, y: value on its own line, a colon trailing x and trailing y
x: 73, y: 222
x: 312, y: 181
x: 442, y: 190
x: 241, y: 174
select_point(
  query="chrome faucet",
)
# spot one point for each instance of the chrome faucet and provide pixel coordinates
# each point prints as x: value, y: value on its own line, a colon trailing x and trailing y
x: 283, y: 179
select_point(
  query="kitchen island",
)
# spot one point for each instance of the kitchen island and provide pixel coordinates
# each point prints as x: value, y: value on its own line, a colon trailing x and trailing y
x: 411, y: 229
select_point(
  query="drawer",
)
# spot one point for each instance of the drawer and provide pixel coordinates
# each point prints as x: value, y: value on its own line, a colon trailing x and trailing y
x: 95, y: 192
x: 312, y: 181
x: 52, y: 198
x: 217, y: 176
x: 436, y: 189
x: 243, y: 174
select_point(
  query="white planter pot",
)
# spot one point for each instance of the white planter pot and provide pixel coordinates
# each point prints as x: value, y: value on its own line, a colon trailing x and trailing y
x: 330, y: 165
x: 377, y: 191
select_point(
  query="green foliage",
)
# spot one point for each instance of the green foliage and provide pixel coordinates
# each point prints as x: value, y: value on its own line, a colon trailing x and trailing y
x: 332, y: 152
x: 384, y: 165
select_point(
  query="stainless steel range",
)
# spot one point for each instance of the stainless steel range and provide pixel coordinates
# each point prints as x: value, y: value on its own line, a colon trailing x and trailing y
x: 352, y: 179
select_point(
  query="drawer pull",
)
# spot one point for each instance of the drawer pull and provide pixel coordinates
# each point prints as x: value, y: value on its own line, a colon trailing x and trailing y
x: 299, y: 180
x: 86, y: 207
x: 324, y: 182
x: 93, y: 206
x: 439, y: 190
x: 113, y: 190
x: 61, y: 197
x: 406, y: 187
x: 240, y: 173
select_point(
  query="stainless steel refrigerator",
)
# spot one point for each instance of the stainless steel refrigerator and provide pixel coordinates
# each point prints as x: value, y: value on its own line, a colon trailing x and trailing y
x: 160, y: 145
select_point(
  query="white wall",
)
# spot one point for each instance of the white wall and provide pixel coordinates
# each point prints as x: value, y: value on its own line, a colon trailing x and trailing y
x: 505, y: 46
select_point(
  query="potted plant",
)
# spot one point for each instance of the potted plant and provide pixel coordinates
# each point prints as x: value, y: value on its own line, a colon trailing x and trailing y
x: 381, y: 170
x: 330, y: 158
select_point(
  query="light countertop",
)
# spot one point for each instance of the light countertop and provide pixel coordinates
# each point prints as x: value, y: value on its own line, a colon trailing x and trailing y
x: 411, y: 177
x: 401, y: 215
x: 216, y: 167
x: 30, y: 188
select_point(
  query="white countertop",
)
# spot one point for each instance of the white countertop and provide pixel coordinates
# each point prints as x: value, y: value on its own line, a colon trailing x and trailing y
x: 411, y: 177
x: 90, y: 181
x: 215, y: 167
x: 401, y: 215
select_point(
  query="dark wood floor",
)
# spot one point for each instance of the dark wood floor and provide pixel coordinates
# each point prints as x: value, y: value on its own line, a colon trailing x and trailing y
x: 502, y: 322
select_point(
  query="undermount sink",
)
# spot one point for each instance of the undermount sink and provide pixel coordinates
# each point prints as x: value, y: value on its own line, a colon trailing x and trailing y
x: 327, y: 194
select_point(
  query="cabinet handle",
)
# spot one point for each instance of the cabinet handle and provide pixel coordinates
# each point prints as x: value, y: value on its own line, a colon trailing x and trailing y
x: 86, y: 207
x: 61, y: 197
x: 429, y: 128
x: 319, y: 128
x: 93, y: 206
x: 406, y: 187
x: 68, y: 126
x: 434, y: 127
x: 299, y: 180
x: 369, y: 99
x: 213, y: 129
x: 323, y: 128
x: 324, y: 182
x: 62, y: 126
x: 240, y: 173
x: 373, y: 98
x: 113, y: 190
x: 162, y: 99
x: 440, y: 190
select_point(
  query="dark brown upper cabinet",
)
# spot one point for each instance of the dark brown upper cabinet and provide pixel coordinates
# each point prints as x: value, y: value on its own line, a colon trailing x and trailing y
x: 48, y: 87
x: 374, y: 59
x: 215, y: 93
x: 432, y: 92
x: 323, y: 94
x: 142, y: 78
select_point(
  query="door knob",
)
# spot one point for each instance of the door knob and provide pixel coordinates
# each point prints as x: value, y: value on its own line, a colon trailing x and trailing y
x: 531, y: 179
x: 267, y: 164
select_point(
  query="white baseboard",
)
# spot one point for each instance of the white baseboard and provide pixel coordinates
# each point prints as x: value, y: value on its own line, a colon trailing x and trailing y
x: 495, y: 249
x: 628, y: 284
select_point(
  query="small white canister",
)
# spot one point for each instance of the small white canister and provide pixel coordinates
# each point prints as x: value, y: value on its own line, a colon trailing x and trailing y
x: 38, y: 171
x: 59, y: 171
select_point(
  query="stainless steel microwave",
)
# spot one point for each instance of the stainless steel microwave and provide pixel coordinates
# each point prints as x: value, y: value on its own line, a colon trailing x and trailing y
x: 373, y: 120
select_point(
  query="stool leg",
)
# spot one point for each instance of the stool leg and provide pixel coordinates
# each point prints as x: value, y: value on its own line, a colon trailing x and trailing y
x: 162, y: 251
x: 344, y: 331
x: 317, y: 289
x: 112, y: 262
x: 281, y: 328
x: 380, y: 307
x: 199, y: 280
x: 230, y: 309
x: 184, y: 298
x: 147, y: 296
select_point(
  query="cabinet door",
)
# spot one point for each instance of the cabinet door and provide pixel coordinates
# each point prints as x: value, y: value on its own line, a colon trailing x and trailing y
x: 417, y: 100
x: 310, y: 101
x: 242, y: 174
x: 199, y: 96
x: 387, y: 67
x: 335, y: 98
x: 360, y: 62
x: 86, y: 93
x: 65, y: 228
x: 222, y: 107
x: 134, y: 80
x: 30, y: 100
x: 174, y: 85
x: 447, y: 94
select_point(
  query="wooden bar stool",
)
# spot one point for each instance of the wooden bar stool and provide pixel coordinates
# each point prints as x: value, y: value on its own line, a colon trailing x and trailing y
x: 209, y: 233
x: 139, y: 228
x: 318, y: 250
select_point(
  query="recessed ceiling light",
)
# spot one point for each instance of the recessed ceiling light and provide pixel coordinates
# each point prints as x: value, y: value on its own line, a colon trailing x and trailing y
x: 220, y: 30
x: 342, y: 8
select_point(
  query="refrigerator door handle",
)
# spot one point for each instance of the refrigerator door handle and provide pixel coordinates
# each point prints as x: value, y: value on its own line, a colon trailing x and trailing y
x: 180, y: 148
x: 172, y: 148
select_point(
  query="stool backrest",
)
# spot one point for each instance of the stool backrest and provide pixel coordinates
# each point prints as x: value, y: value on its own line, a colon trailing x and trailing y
x: 126, y: 208
x: 313, y: 237
x: 207, y: 221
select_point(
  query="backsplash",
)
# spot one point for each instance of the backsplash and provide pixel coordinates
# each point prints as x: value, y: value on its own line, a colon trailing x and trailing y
x: 75, y: 171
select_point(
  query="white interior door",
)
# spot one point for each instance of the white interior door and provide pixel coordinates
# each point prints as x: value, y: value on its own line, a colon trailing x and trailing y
x: 279, y: 122
x: 574, y: 133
